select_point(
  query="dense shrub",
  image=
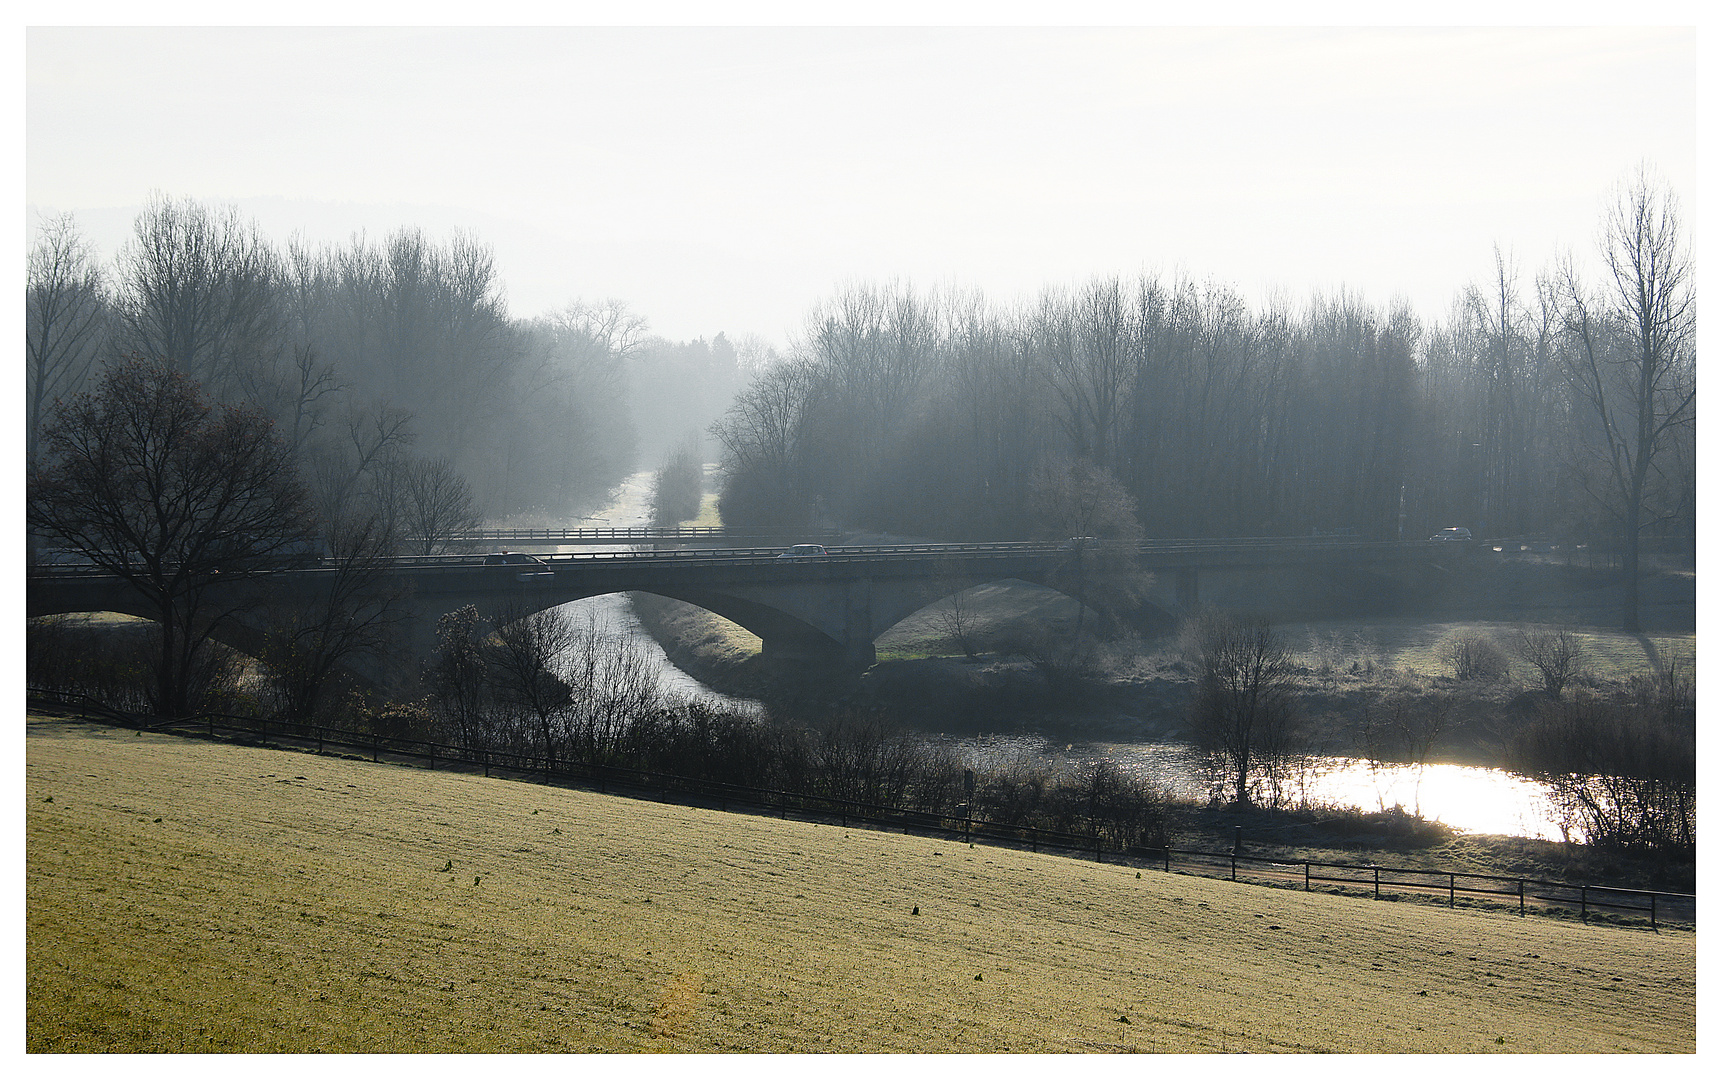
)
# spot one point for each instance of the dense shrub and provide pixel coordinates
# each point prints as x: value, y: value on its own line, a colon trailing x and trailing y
x: 678, y: 486
x: 1473, y: 656
x: 1557, y: 655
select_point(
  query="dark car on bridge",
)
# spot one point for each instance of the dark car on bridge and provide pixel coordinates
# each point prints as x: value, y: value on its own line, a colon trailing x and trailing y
x: 527, y: 566
x: 1455, y: 533
x: 802, y: 551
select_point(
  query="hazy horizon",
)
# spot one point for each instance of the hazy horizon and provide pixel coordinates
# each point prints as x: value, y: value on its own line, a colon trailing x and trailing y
x: 727, y: 179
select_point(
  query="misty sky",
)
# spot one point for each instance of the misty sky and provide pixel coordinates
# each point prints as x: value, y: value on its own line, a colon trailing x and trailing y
x: 727, y: 179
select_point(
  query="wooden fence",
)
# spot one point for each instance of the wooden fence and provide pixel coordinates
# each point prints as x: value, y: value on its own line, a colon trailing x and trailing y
x: 1658, y: 908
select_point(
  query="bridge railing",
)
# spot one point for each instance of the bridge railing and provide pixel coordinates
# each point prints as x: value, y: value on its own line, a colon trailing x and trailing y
x: 633, y: 533
x: 863, y: 553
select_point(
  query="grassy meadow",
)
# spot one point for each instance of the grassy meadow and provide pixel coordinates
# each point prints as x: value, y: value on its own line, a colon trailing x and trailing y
x: 189, y: 896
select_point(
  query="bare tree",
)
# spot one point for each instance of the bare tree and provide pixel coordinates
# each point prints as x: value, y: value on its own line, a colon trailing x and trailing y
x: 155, y: 486
x: 197, y: 290
x: 1086, y: 345
x: 1083, y: 504
x: 1472, y: 656
x: 65, y: 321
x: 594, y: 334
x: 355, y: 476
x: 1243, y: 713
x: 459, y: 674
x: 612, y: 684
x: 1630, y: 359
x: 526, y: 667
x: 1626, y: 773
x: 295, y: 390
x: 763, y: 437
x: 1558, y: 656
x: 436, y: 504
x: 353, y: 614
x: 957, y: 617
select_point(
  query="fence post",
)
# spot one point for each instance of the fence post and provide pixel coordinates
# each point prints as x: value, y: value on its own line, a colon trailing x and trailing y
x: 1377, y: 870
x: 1653, y: 913
x: 1584, y: 905
x: 1166, y: 853
x: 1234, y: 866
x: 1521, y: 896
x: 1306, y: 877
x: 373, y: 747
x: 484, y: 756
x: 1449, y: 890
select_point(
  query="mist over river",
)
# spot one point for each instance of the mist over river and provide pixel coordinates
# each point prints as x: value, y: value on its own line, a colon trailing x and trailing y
x: 1469, y: 798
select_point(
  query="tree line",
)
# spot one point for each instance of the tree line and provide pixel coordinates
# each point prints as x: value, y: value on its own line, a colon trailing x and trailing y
x: 1564, y: 408
x: 392, y: 370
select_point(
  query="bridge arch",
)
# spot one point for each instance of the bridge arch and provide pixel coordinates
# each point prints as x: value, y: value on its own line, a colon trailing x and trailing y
x: 241, y: 638
x: 1158, y: 609
x: 782, y: 634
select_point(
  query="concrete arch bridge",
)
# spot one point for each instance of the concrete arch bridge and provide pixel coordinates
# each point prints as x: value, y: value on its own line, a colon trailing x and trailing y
x: 825, y: 610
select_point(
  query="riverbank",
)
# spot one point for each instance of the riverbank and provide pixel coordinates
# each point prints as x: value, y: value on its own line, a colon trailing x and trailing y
x: 1134, y: 694
x: 192, y: 896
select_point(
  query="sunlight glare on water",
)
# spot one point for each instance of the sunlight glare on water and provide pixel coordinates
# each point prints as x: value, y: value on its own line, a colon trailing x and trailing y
x: 1468, y: 798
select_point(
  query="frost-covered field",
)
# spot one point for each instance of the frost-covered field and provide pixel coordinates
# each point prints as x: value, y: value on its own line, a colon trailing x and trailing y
x: 190, y: 896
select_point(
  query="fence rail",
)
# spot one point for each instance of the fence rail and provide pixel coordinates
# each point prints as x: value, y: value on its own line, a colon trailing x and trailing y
x: 1658, y: 907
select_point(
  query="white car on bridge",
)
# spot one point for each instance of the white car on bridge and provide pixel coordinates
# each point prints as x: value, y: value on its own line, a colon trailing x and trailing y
x: 529, y: 566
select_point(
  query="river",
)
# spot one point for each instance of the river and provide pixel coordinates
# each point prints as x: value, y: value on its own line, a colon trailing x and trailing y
x: 613, y: 615
x: 1468, y: 798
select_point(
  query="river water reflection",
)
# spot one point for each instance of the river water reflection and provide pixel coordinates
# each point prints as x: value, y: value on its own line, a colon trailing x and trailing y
x: 1465, y: 797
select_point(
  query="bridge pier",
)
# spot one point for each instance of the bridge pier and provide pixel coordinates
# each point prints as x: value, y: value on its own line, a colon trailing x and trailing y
x: 818, y: 653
